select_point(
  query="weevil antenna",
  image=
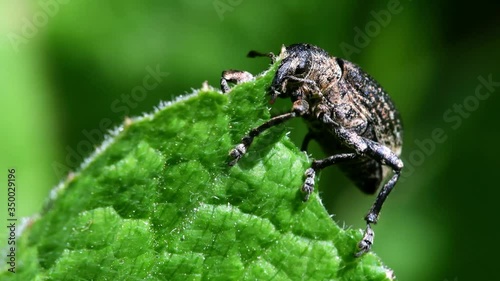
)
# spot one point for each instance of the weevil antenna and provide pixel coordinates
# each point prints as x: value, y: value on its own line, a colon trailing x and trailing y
x: 254, y: 54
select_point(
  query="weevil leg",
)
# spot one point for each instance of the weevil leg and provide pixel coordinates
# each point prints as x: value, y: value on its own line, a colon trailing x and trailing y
x: 366, y: 243
x: 317, y: 165
x: 378, y: 152
x: 383, y: 154
x: 299, y: 108
x: 247, y: 140
x: 233, y: 76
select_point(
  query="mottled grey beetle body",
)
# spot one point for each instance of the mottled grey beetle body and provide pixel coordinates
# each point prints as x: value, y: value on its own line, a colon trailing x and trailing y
x: 348, y: 114
x: 356, y: 102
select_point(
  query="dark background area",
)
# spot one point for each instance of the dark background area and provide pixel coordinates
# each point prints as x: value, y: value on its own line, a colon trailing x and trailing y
x: 68, y: 72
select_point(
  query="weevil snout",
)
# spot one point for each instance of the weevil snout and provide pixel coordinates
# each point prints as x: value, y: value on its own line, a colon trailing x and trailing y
x: 288, y: 79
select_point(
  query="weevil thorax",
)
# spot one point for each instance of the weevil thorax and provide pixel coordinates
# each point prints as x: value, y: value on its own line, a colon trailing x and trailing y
x: 305, y: 71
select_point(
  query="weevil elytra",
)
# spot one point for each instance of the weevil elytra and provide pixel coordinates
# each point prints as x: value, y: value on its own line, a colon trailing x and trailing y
x: 347, y: 113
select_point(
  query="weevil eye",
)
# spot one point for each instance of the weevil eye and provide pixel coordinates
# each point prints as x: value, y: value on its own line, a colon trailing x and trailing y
x: 302, y: 67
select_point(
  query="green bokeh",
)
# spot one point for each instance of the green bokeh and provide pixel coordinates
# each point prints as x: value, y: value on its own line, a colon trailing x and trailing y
x: 63, y: 87
x: 159, y: 202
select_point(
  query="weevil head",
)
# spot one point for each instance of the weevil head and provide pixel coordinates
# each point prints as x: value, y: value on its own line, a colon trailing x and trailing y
x: 302, y: 70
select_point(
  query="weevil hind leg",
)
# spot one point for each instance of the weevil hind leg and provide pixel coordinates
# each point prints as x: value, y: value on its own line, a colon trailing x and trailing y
x: 372, y: 217
x: 387, y: 157
x: 383, y: 154
x: 380, y: 153
x: 233, y: 76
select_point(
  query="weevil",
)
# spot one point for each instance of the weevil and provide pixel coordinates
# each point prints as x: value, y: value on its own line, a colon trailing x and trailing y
x: 347, y: 112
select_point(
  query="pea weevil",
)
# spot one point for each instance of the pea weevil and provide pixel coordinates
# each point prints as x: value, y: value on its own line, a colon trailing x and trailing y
x: 347, y: 112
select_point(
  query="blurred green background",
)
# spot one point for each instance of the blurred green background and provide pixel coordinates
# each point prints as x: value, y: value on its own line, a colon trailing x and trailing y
x: 71, y: 70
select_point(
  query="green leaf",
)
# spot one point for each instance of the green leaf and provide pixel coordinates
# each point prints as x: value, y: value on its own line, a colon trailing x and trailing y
x: 157, y: 201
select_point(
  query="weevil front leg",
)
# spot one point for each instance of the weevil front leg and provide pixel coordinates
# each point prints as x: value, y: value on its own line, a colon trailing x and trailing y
x: 300, y: 107
x: 233, y: 76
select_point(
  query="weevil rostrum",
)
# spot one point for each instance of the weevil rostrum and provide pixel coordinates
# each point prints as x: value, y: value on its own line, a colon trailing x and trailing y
x: 347, y: 112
